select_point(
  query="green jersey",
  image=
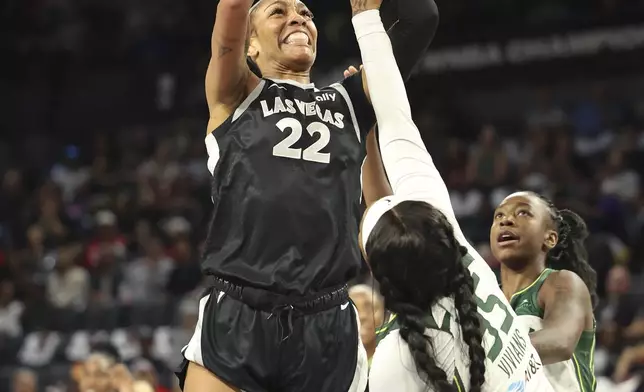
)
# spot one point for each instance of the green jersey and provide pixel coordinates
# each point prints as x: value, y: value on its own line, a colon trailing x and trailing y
x: 574, y: 375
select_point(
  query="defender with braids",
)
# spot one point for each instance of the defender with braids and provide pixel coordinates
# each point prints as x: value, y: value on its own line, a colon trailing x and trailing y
x: 433, y: 304
x: 452, y: 328
x: 550, y: 285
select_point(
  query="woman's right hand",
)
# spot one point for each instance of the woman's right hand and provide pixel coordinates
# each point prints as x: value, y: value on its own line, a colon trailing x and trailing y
x: 351, y: 71
x: 358, y: 6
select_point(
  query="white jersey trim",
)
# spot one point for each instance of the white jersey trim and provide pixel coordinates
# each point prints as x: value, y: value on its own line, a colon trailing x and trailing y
x: 343, y: 91
x: 212, y: 147
x: 305, y: 86
x: 249, y: 99
x: 192, y: 352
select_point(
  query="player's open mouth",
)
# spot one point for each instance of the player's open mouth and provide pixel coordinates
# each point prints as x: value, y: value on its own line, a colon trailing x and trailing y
x: 506, y: 238
x: 297, y: 38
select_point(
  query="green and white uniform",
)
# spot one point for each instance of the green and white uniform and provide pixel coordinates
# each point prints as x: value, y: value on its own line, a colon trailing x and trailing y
x: 512, y: 364
x: 574, y: 375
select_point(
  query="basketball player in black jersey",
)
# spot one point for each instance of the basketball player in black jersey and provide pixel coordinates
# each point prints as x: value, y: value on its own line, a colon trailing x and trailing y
x: 285, y: 159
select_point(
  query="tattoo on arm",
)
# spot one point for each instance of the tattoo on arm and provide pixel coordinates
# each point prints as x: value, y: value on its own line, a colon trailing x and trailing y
x: 223, y: 50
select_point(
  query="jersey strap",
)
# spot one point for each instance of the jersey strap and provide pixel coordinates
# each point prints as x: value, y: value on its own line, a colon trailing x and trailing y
x: 584, y: 361
x: 525, y: 301
x: 458, y: 382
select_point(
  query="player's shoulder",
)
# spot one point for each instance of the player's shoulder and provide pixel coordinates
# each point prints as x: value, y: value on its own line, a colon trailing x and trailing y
x: 563, y: 280
x: 564, y: 284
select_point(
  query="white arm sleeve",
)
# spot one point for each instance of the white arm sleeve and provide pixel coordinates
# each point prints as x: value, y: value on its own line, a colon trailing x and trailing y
x: 411, y: 171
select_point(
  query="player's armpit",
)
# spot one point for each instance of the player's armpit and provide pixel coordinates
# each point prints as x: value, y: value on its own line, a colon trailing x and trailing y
x: 227, y: 70
x: 566, y: 302
x: 375, y: 184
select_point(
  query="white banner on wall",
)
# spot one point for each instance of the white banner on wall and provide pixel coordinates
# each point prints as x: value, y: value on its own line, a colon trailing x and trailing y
x: 521, y: 51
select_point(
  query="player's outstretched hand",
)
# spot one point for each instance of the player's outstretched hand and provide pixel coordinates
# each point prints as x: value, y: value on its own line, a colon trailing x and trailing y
x: 351, y: 71
x: 358, y: 6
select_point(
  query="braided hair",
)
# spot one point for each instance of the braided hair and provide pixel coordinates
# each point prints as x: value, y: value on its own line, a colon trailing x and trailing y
x: 415, y: 256
x: 570, y: 252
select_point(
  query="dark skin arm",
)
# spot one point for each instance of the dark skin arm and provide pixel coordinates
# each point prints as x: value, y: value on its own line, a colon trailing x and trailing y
x: 374, y: 179
x: 567, y: 313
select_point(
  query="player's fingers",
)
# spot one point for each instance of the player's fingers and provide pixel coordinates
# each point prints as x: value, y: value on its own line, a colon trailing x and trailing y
x: 350, y: 71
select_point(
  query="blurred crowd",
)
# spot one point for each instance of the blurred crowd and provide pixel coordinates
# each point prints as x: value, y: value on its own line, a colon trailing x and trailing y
x: 103, y: 250
x: 102, y: 247
x: 101, y: 227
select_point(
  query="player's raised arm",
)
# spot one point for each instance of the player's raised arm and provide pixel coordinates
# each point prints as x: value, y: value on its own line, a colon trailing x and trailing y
x: 408, y: 165
x: 227, y: 71
x: 411, y: 26
x: 413, y: 29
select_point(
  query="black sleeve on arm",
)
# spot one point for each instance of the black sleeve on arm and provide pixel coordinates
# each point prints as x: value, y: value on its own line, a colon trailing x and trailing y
x: 411, y: 35
x: 414, y: 26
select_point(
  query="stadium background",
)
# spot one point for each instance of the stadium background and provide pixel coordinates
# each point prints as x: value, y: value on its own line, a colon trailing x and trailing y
x: 105, y: 189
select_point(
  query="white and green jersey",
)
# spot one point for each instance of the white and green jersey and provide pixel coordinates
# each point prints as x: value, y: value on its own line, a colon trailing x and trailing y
x: 574, y: 375
x: 512, y: 363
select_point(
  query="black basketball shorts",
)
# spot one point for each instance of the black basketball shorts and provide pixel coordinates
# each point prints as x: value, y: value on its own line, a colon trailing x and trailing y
x: 259, y: 341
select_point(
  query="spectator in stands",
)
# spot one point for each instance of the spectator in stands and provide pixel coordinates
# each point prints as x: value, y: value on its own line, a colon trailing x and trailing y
x: 533, y: 169
x: 25, y: 380
x: 13, y: 199
x: 466, y: 200
x: 620, y: 180
x: 614, y: 315
x: 108, y: 244
x: 161, y: 170
x: 106, y: 279
x: 144, y: 370
x: 10, y: 312
x: 587, y: 115
x: 52, y: 218
x: 168, y: 341
x: 145, y: 278
x: 488, y: 163
x: 546, y: 114
x: 94, y: 374
x: 68, y: 284
x: 69, y: 174
x: 186, y: 274
x: 28, y: 263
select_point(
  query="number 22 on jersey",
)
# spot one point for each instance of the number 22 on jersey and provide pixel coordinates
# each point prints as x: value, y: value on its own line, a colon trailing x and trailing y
x: 312, y: 153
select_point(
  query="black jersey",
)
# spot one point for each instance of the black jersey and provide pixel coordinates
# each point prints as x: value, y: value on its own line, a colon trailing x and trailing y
x: 286, y: 187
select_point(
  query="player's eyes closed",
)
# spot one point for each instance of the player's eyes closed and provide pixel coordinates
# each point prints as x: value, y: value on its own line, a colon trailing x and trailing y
x: 307, y: 14
x: 280, y: 11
